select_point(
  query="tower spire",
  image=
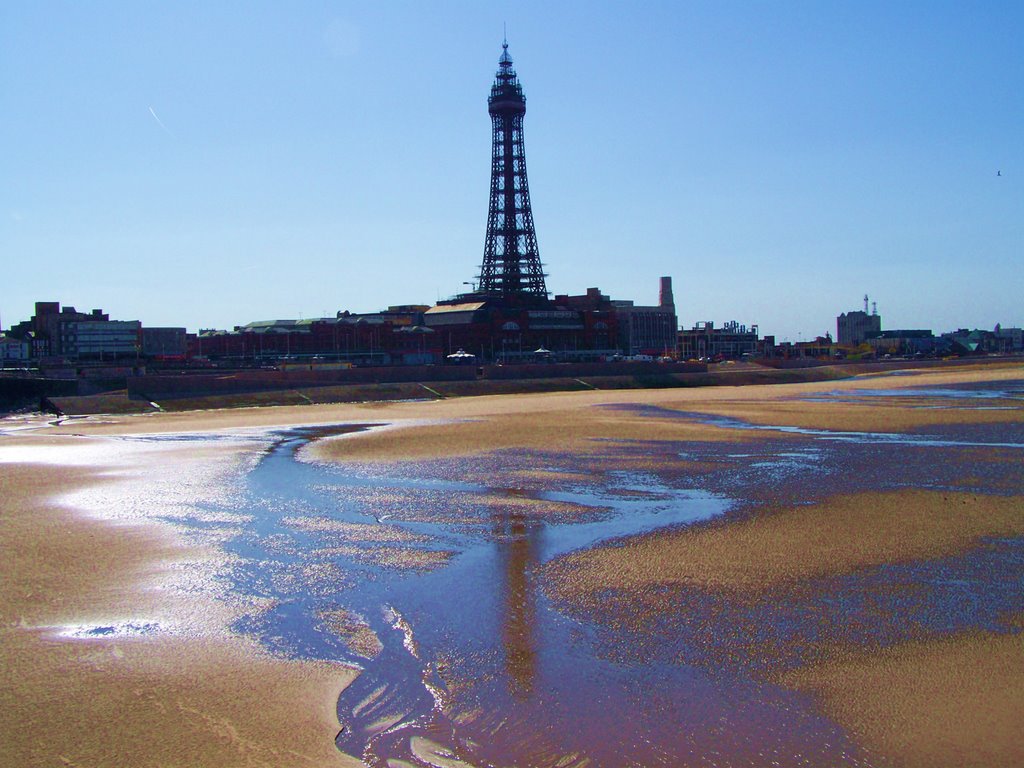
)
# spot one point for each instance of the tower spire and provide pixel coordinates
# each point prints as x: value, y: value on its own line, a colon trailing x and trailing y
x: 511, y: 265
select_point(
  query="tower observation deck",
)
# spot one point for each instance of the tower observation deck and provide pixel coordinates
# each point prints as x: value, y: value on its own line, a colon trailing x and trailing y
x: 511, y: 267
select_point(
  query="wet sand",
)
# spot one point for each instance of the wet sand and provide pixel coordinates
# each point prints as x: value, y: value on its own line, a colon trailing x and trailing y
x: 937, y: 700
x: 789, y: 545
x: 217, y: 699
x: 196, y: 696
x: 953, y: 701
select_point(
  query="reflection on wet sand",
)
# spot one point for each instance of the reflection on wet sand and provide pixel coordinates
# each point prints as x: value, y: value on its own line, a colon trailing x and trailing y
x: 512, y: 680
x: 517, y: 554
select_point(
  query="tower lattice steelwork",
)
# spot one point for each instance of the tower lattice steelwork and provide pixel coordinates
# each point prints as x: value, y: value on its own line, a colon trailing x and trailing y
x: 511, y: 266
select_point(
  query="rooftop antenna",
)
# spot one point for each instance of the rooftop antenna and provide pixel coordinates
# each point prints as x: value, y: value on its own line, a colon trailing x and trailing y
x: 865, y: 303
x: 874, y: 307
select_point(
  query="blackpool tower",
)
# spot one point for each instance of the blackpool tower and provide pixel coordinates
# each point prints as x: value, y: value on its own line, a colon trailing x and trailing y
x: 511, y: 267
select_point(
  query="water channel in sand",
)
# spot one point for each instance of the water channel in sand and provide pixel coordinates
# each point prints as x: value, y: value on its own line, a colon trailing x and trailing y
x: 426, y: 576
x: 467, y: 651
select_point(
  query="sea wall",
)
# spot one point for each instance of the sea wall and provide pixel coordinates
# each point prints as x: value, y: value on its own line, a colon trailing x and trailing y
x: 578, y: 370
x: 168, y: 386
x: 159, y: 387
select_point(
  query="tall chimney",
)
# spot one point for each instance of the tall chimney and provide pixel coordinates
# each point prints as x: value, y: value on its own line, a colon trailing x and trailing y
x: 665, y: 296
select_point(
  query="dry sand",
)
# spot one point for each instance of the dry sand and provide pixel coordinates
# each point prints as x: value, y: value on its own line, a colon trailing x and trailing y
x: 875, y: 413
x: 218, y: 700
x: 570, y: 420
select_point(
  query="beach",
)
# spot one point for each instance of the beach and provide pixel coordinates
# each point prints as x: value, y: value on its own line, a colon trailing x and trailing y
x: 121, y: 644
x: 197, y: 695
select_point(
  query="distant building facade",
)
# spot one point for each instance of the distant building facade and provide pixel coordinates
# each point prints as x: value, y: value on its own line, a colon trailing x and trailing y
x: 648, y: 330
x: 393, y: 337
x: 164, y: 343
x: 821, y: 348
x: 903, y: 342
x: 853, y: 328
x: 59, y: 336
x: 13, y: 351
x: 100, y: 340
x: 730, y: 342
x: 979, y: 342
x: 44, y: 331
x: 1012, y: 337
x: 565, y: 328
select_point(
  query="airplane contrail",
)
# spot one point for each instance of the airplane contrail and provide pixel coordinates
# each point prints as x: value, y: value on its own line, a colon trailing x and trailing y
x: 161, y: 124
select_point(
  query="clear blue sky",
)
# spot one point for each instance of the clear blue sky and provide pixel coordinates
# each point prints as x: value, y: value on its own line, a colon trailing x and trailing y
x: 212, y: 163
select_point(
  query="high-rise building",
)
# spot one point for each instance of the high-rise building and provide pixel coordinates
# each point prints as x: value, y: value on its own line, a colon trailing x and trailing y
x: 853, y: 328
x: 511, y: 267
